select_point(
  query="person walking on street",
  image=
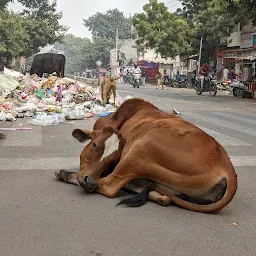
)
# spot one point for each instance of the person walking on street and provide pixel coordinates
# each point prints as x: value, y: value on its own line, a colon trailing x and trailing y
x: 143, y: 76
x: 225, y: 74
x: 233, y: 74
x: 121, y: 76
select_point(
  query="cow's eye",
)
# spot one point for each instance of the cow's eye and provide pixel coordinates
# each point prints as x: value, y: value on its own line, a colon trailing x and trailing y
x: 94, y: 145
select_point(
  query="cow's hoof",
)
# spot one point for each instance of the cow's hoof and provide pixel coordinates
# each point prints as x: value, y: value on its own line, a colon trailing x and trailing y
x: 164, y: 200
x: 59, y: 175
x: 2, y: 136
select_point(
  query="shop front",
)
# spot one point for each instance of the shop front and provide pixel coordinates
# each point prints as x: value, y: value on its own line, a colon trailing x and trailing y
x: 244, y: 61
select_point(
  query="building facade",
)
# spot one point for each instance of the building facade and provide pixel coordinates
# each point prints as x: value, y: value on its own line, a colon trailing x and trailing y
x: 240, y: 52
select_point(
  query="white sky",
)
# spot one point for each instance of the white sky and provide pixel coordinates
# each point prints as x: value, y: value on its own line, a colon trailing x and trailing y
x: 74, y: 11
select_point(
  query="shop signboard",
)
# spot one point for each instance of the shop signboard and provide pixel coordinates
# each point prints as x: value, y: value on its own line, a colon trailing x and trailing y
x: 245, y: 54
x: 246, y: 41
x: 230, y: 55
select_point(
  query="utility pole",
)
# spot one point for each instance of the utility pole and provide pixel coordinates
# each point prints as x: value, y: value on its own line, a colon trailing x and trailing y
x: 200, y: 55
x: 116, y: 52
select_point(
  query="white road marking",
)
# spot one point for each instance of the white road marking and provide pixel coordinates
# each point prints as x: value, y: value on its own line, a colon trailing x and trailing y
x: 238, y: 118
x: 225, y: 140
x: 56, y: 163
x: 222, y: 123
x: 243, y: 161
x: 111, y: 145
x: 32, y: 138
x: 69, y: 163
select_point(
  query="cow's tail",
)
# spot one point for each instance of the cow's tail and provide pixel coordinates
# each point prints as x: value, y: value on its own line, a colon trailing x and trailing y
x: 231, y: 186
x: 231, y: 182
x: 138, y: 200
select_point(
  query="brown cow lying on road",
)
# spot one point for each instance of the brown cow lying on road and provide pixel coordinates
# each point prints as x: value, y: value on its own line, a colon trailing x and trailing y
x: 158, y: 155
x: 108, y: 86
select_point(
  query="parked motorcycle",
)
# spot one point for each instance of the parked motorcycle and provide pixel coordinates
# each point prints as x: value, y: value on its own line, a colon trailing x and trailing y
x: 240, y: 87
x: 183, y: 83
x: 210, y: 85
x: 226, y: 84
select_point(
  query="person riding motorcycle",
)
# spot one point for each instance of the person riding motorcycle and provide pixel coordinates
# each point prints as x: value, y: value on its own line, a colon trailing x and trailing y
x: 136, y: 74
x: 136, y: 69
x: 204, y: 72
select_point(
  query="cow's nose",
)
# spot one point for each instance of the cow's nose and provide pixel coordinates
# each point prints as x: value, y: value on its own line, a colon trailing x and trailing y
x: 89, y: 184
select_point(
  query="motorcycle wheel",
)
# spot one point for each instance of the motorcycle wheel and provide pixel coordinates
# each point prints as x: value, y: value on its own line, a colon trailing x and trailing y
x: 199, y: 91
x: 175, y: 84
x: 213, y: 89
x: 188, y: 85
x: 235, y: 92
x: 198, y: 88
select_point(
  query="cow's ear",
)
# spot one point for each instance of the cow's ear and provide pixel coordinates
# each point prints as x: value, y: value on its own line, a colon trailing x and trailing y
x: 81, y: 135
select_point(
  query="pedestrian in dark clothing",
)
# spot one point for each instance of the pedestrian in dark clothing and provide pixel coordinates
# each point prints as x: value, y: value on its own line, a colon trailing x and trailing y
x: 233, y: 74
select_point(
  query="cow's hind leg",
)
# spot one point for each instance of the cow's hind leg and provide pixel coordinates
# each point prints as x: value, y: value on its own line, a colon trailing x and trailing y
x: 114, y: 94
x: 121, y: 177
x: 66, y: 176
x: 152, y: 196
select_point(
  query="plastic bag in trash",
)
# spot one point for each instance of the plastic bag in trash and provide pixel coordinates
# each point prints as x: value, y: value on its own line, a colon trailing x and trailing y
x: 27, y: 107
x: 99, y: 110
x: 74, y: 114
x: 2, y: 116
x: 47, y: 119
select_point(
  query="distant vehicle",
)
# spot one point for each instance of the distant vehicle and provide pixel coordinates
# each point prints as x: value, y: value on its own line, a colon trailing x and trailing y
x: 182, y: 83
x: 48, y: 63
x: 210, y: 85
x: 240, y: 88
x: 136, y: 79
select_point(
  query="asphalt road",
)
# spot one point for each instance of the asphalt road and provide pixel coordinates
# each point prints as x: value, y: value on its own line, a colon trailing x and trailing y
x: 42, y: 217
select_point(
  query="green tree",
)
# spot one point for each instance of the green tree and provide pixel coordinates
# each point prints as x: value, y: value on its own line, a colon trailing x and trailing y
x: 105, y: 25
x: 214, y: 20
x: 37, y: 26
x: 158, y: 28
x: 99, y: 50
x: 13, y: 36
x: 83, y: 53
x: 42, y: 24
x: 244, y: 9
x: 74, y: 48
x: 3, y: 3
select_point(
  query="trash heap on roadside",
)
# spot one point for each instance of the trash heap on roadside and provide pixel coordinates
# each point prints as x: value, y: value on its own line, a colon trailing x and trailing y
x: 49, y: 101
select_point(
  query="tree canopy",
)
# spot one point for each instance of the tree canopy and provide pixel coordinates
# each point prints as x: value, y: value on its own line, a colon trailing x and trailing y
x: 214, y: 20
x: 3, y: 3
x: 157, y: 28
x: 13, y: 36
x: 105, y: 25
x: 36, y: 26
x: 82, y: 53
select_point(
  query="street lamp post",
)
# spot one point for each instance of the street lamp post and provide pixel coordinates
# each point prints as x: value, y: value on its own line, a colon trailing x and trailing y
x: 116, y: 52
x: 200, y: 55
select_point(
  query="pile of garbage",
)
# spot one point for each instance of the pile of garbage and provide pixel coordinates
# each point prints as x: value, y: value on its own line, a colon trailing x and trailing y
x: 49, y: 101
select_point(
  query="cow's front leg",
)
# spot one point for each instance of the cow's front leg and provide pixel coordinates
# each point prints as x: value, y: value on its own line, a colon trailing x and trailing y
x: 66, y: 176
x: 124, y: 172
x: 111, y: 185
